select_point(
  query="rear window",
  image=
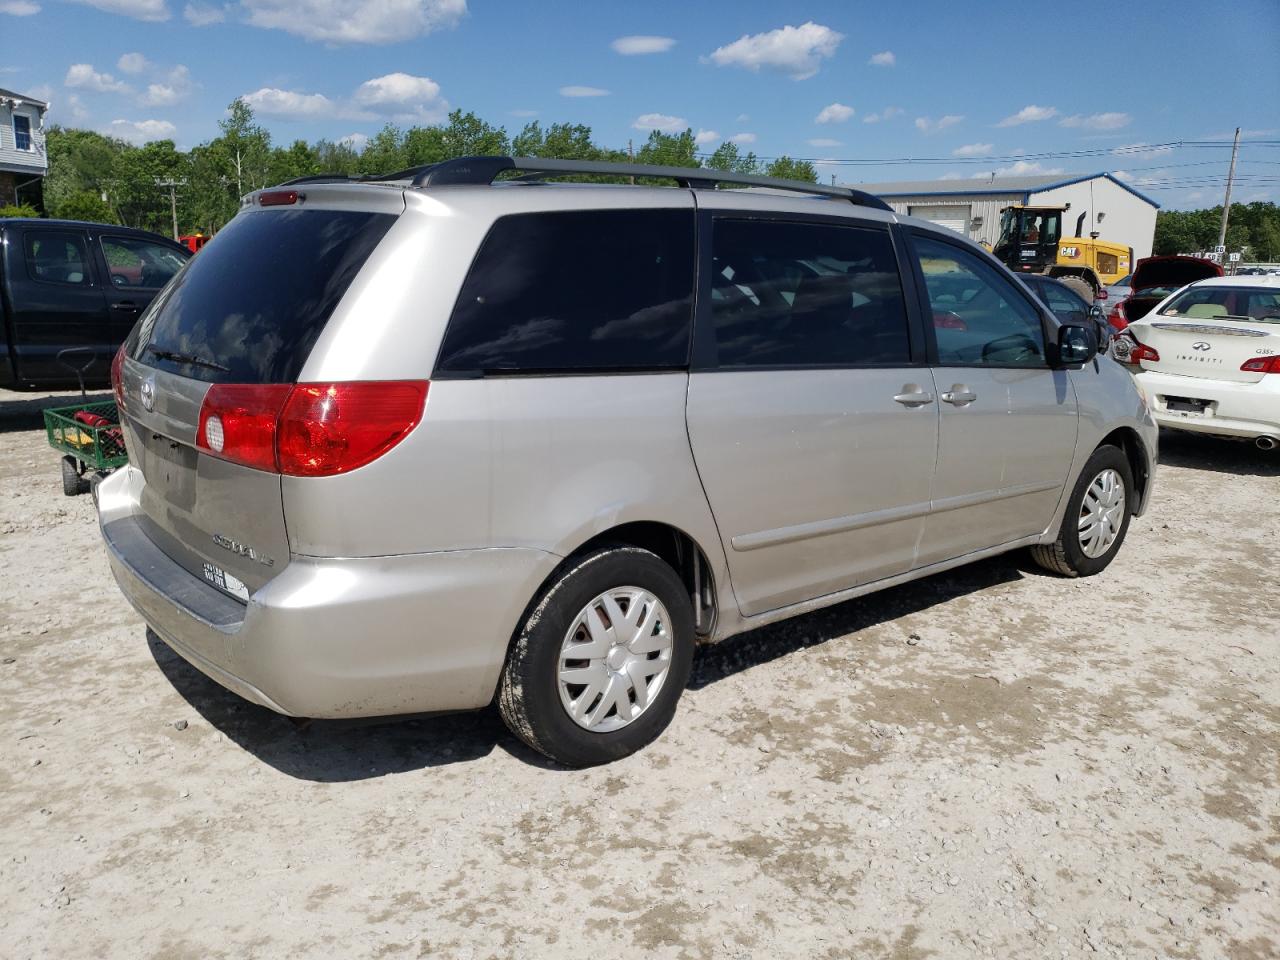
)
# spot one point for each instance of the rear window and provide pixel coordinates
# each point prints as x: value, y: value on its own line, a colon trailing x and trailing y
x: 250, y: 306
x: 576, y: 292
x: 1226, y: 303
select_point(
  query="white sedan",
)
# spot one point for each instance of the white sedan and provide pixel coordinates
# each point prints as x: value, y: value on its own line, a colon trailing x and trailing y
x: 1208, y: 358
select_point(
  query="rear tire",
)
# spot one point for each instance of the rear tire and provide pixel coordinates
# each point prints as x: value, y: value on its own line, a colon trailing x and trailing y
x: 632, y: 663
x: 1096, y: 519
x: 1080, y: 286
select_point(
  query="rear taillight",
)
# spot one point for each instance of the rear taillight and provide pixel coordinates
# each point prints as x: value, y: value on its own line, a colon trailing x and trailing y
x: 308, y: 429
x: 1262, y: 364
x: 278, y: 198
x: 1126, y: 348
x: 117, y: 377
x: 1140, y: 351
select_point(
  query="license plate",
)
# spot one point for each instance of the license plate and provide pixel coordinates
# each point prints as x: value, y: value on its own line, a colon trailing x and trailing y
x: 1186, y: 406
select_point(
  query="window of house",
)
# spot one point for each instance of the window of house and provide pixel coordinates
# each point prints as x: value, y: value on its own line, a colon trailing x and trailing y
x: 806, y: 294
x: 22, y: 132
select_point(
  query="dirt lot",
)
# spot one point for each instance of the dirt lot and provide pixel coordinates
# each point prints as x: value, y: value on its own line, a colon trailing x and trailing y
x: 993, y: 762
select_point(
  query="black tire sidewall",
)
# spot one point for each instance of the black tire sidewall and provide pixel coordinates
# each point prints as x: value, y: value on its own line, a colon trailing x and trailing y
x: 534, y: 659
x: 1107, y: 457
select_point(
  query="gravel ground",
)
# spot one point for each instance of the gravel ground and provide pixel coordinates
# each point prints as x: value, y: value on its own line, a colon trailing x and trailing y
x: 991, y: 762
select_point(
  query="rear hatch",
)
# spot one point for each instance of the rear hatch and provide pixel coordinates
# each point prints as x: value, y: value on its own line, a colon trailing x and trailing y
x: 238, y: 320
x: 1154, y: 278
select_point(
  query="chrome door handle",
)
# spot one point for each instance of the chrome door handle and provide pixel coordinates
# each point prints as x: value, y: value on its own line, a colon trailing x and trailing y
x: 913, y: 396
x: 959, y: 395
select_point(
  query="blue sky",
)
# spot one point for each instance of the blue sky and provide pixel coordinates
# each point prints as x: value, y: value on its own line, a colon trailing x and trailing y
x: 1005, y: 87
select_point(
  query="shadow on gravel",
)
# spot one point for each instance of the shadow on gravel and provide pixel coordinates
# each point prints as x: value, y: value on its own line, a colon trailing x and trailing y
x: 18, y: 412
x: 335, y: 751
x: 769, y: 643
x: 1179, y: 448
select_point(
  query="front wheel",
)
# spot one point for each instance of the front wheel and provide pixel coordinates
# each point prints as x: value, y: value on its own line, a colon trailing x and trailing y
x: 1096, y: 520
x: 600, y: 663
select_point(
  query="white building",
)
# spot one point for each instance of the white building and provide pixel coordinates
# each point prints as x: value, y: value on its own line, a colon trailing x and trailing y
x: 23, y: 161
x: 1111, y: 208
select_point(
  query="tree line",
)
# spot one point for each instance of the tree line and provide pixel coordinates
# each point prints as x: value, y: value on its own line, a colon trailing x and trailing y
x: 100, y: 178
x: 1253, y: 229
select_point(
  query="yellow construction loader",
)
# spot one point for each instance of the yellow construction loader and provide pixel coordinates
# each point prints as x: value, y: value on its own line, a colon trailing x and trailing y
x: 1031, y: 241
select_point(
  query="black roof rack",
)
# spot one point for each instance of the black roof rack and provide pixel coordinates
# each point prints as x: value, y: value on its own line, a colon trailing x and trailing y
x: 483, y: 170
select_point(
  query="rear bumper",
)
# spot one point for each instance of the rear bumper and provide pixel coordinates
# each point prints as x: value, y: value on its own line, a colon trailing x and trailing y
x: 1246, y: 410
x: 334, y: 637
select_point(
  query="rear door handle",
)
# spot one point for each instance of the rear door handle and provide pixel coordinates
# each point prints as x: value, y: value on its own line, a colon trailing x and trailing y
x: 913, y: 396
x: 959, y: 395
x: 125, y: 306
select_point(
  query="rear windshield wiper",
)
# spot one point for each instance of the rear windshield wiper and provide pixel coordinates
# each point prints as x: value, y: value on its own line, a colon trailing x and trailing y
x: 186, y: 358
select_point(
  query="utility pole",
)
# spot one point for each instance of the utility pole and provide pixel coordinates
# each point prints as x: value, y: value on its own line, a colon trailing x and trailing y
x: 631, y: 155
x: 172, y: 186
x: 1226, y: 202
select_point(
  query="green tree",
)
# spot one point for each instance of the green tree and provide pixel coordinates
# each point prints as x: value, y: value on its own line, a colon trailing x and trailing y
x: 20, y: 210
x: 728, y: 158
x: 135, y: 190
x: 669, y: 149
x: 787, y: 169
x: 466, y: 135
x: 299, y: 159
x: 384, y: 153
x: 80, y: 161
x: 86, y: 206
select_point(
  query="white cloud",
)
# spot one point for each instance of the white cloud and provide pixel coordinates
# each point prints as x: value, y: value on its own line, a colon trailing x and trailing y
x: 952, y: 175
x: 1028, y: 114
x: 199, y: 15
x: 798, y: 51
x: 929, y: 125
x: 79, y: 112
x: 834, y: 113
x: 356, y: 141
x: 743, y: 138
x: 1020, y: 168
x: 1097, y: 121
x: 884, y: 58
x: 631, y: 46
x: 274, y: 102
x: 660, y: 121
x: 703, y: 137
x: 583, y: 92
x: 132, y: 63
x: 973, y: 150
x: 823, y: 142
x: 743, y: 118
x: 142, y: 131
x: 83, y: 76
x: 403, y: 97
x: 150, y: 10
x: 19, y: 8
x: 176, y: 86
x: 355, y: 21
x: 888, y: 113
x: 1156, y: 176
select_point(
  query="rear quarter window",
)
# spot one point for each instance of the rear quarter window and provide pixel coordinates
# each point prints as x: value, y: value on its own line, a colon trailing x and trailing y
x: 249, y: 308
x: 576, y: 292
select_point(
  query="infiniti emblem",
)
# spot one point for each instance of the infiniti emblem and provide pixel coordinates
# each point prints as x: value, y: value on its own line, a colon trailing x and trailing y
x: 1200, y: 345
x: 148, y: 391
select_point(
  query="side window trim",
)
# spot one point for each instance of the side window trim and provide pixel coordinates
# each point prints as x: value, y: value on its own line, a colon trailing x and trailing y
x: 705, y: 354
x: 30, y: 234
x: 1047, y: 330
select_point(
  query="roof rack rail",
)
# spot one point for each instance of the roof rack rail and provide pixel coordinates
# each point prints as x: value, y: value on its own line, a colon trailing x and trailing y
x: 483, y: 170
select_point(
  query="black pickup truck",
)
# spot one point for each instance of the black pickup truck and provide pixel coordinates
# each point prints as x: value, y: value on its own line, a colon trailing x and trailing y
x: 65, y: 284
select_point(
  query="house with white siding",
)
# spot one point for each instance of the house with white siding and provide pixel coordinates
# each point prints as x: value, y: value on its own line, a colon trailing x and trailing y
x: 23, y: 160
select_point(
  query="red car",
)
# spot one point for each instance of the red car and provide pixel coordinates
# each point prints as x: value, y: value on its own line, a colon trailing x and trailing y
x: 1154, y: 278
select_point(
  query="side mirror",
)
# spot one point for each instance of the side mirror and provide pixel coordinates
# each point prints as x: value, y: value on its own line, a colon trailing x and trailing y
x: 1096, y: 312
x: 1076, y: 344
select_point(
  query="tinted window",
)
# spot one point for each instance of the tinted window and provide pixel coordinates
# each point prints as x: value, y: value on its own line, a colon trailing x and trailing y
x: 1066, y: 305
x: 580, y: 291
x: 252, y: 304
x: 788, y: 294
x: 57, y: 257
x: 140, y: 263
x: 979, y: 317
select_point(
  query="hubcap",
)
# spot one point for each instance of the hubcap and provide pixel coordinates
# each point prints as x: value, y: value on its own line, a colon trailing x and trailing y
x: 1102, y: 513
x: 614, y: 659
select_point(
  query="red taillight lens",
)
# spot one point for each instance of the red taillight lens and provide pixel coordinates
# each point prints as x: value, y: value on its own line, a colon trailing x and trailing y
x: 277, y: 198
x: 1140, y: 351
x: 1262, y: 364
x: 117, y: 377
x: 238, y: 422
x: 326, y: 429
x: 308, y: 429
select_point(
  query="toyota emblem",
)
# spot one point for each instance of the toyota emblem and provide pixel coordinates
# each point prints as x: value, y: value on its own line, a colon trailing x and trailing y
x: 148, y: 391
x: 1200, y: 345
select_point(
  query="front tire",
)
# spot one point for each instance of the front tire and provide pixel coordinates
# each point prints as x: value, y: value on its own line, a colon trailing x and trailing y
x: 597, y: 668
x: 1096, y: 519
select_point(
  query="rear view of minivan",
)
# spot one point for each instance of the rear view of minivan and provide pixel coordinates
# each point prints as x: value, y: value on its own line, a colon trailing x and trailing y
x: 433, y: 441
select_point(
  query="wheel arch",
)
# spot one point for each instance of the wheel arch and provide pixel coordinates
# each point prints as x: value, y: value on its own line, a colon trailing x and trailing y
x: 1084, y: 273
x: 1135, y: 451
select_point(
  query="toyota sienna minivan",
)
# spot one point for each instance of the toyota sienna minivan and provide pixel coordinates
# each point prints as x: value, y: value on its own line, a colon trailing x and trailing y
x: 463, y: 434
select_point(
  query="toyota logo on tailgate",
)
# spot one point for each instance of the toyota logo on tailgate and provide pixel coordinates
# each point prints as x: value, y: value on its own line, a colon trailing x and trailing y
x: 1200, y: 345
x: 148, y: 391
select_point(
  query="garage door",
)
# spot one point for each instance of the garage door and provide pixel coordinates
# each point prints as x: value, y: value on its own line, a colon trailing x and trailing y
x: 953, y: 216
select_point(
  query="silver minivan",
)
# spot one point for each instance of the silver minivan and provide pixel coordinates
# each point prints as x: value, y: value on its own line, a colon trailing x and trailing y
x: 463, y: 434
